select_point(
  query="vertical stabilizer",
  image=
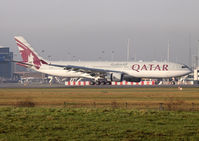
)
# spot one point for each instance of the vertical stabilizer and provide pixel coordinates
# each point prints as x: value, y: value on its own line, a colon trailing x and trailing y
x: 28, y: 54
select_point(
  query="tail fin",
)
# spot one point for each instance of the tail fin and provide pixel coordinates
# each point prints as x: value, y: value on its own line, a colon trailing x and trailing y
x: 28, y: 54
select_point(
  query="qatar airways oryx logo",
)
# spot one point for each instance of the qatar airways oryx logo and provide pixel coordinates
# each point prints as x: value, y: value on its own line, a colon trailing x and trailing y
x: 28, y: 55
x: 150, y: 67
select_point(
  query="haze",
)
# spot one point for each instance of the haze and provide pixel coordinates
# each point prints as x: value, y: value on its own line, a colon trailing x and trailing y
x: 92, y: 29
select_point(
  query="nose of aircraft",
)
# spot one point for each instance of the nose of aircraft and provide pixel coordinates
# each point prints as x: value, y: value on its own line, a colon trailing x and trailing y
x: 186, y: 69
x: 189, y: 70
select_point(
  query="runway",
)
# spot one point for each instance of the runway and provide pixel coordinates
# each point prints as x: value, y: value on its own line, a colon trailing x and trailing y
x: 37, y: 85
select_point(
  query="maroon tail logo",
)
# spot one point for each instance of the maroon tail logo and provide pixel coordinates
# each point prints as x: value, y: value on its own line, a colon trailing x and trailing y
x: 28, y: 55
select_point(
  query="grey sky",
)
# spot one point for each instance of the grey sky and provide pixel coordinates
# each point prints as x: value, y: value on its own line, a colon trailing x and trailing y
x: 85, y: 28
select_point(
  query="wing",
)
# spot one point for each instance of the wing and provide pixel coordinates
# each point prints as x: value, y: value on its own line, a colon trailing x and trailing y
x: 92, y: 71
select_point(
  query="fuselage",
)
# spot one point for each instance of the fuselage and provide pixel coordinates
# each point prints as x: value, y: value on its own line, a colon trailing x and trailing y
x: 111, y: 71
x: 135, y: 69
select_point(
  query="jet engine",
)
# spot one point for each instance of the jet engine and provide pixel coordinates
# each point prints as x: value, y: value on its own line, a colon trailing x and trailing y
x: 118, y: 77
x: 129, y: 78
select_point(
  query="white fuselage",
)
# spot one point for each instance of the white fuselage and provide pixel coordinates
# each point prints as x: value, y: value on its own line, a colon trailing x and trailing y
x: 134, y: 69
x: 98, y: 69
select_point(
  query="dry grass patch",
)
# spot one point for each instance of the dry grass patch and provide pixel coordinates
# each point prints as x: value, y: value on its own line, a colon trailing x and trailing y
x: 25, y: 103
x: 139, y: 98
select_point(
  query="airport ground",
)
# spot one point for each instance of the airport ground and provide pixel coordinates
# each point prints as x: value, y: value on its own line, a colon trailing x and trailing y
x: 47, y: 85
x: 99, y: 114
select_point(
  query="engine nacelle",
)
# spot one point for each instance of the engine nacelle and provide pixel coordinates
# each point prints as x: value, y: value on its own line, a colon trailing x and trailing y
x: 118, y: 77
x: 129, y: 78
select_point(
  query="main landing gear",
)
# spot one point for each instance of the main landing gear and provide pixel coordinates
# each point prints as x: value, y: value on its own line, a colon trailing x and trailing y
x: 100, y: 83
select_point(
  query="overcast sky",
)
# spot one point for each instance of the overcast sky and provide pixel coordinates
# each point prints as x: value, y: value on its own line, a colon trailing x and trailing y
x: 86, y: 28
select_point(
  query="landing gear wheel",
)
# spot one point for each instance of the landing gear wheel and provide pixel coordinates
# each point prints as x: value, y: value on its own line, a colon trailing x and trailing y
x: 172, y: 83
x: 102, y: 83
x: 97, y: 83
x: 108, y: 83
x: 92, y: 83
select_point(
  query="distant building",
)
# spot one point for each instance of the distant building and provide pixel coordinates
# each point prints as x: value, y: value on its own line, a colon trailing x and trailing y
x: 19, y: 68
x: 6, y: 66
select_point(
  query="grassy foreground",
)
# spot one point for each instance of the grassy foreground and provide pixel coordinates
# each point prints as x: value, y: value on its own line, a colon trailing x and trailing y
x: 127, y: 114
x: 18, y: 124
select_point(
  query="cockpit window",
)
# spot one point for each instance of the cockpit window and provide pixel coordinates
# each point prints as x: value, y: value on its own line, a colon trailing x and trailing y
x: 185, y: 66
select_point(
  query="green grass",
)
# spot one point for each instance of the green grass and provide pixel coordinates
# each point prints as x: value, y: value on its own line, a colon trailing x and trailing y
x: 96, y: 124
x: 99, y: 114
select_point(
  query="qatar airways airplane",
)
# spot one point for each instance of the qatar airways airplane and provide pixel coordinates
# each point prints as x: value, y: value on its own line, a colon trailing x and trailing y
x: 99, y: 72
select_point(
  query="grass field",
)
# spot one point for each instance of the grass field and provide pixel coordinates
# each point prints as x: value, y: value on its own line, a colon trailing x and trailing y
x: 18, y: 124
x: 138, y: 98
x: 127, y: 114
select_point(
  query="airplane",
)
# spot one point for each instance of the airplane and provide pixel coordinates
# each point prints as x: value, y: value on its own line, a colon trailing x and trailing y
x: 99, y: 72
